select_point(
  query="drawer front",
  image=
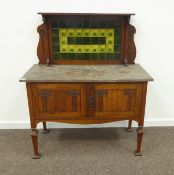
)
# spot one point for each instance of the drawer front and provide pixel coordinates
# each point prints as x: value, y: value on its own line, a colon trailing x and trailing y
x: 52, y: 101
x: 117, y: 100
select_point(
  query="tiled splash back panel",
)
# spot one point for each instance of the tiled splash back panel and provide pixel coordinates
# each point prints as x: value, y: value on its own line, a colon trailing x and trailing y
x: 86, y: 40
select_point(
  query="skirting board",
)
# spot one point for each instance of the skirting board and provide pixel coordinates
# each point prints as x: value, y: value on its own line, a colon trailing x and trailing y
x: 26, y: 124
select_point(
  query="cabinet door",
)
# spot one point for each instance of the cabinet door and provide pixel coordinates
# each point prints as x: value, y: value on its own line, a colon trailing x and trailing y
x: 52, y: 101
x: 117, y: 100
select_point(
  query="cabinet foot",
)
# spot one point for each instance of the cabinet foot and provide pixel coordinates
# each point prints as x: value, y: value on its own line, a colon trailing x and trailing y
x: 140, y: 133
x: 37, y: 156
x: 137, y: 153
x: 45, y: 130
x: 129, y: 129
x: 34, y: 137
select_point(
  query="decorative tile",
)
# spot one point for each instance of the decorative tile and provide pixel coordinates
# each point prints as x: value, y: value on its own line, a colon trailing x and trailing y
x: 88, y: 40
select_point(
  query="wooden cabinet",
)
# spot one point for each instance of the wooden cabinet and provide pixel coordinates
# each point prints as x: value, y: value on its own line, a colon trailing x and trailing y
x: 86, y: 73
x: 86, y: 101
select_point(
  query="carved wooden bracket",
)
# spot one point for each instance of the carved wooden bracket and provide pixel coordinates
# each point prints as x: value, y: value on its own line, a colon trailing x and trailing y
x: 101, y: 92
x: 129, y: 92
x: 42, y: 48
x: 131, y: 49
x: 44, y: 93
x: 73, y: 92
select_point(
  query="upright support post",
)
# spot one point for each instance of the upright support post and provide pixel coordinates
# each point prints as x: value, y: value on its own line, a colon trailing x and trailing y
x: 129, y: 129
x: 45, y: 130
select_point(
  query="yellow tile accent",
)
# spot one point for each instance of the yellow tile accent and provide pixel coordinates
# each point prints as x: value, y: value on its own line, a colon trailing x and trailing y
x: 81, y: 32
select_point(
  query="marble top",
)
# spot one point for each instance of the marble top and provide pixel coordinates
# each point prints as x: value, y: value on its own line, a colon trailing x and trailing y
x: 86, y: 73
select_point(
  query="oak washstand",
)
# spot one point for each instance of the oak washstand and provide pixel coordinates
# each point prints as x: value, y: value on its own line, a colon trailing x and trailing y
x: 86, y: 73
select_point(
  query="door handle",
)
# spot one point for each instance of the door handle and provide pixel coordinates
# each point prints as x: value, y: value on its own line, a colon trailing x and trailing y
x: 91, y: 101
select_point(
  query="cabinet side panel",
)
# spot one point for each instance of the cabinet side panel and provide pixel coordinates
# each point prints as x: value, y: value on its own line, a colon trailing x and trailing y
x: 30, y: 105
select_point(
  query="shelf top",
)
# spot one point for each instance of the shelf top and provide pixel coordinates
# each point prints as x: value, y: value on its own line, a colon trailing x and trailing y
x: 76, y: 14
x: 86, y: 73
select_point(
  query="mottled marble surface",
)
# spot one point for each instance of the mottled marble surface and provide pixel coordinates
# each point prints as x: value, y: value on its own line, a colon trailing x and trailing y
x: 86, y: 73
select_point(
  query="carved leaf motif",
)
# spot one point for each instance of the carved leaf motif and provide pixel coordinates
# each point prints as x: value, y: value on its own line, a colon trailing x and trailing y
x: 44, y: 92
x: 101, y: 92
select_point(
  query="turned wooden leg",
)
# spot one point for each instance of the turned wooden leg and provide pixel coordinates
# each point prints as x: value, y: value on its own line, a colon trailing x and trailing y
x: 34, y: 137
x: 45, y: 130
x: 140, y: 133
x: 129, y: 129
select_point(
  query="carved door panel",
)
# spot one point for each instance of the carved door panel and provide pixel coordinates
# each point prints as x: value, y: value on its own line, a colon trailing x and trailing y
x: 58, y: 100
x: 117, y: 100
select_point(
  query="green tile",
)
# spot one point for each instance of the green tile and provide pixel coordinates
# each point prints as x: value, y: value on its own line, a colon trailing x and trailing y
x: 102, y: 40
x: 69, y: 24
x: 117, y: 48
x: 110, y: 24
x: 55, y: 33
x: 94, y: 40
x: 86, y: 56
x: 117, y: 56
x: 109, y: 56
x: 86, y: 40
x: 86, y: 24
x: 101, y: 56
x: 55, y: 40
x: 56, y: 56
x: 55, y: 48
x: 94, y: 56
x: 77, y: 24
x: 63, y: 56
x: 102, y: 24
x: 79, y: 56
x: 54, y: 24
x: 78, y: 40
x: 62, y: 24
x: 94, y: 24
x: 71, y: 56
x: 71, y: 40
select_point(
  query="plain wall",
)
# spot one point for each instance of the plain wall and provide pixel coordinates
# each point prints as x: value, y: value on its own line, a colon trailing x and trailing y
x: 154, y: 42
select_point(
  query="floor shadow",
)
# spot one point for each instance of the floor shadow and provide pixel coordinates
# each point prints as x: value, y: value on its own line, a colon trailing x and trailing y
x: 88, y: 133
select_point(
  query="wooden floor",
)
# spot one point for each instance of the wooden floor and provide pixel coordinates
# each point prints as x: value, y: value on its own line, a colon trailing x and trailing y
x: 105, y: 151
